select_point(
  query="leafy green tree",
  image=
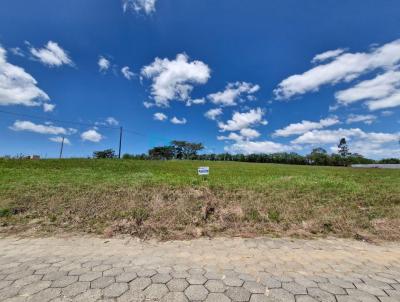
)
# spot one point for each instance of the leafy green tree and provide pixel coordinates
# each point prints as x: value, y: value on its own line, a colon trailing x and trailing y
x: 165, y: 152
x: 186, y: 150
x: 108, y: 153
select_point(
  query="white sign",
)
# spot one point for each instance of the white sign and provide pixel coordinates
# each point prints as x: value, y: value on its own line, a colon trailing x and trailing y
x: 203, y: 170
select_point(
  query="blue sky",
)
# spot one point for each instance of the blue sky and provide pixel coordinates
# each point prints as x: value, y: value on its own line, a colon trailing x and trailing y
x: 241, y: 76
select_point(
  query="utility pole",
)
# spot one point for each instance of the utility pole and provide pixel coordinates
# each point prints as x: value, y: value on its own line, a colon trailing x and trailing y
x: 120, y: 142
x: 62, y: 147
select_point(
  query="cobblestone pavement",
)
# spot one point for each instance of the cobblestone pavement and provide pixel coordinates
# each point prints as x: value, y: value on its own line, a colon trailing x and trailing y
x: 261, y: 269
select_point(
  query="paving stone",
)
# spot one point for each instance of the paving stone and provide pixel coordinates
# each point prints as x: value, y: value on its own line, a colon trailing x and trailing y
x: 294, y: 288
x: 321, y: 295
x: 5, y: 283
x: 332, y: 288
x: 22, y: 282
x: 217, y: 297
x: 164, y: 270
x: 388, y: 299
x: 140, y: 283
x: 174, y: 297
x: 126, y: 277
x: 115, y: 290
x: 196, y: 271
x: 305, y: 298
x: 90, y: 276
x: 371, y: 289
x: 261, y: 298
x: 35, y: 287
x: 161, y: 278
x: 254, y: 287
x: 156, y: 291
x: 146, y: 273
x: 213, y: 276
x: 341, y: 283
x: 102, y: 282
x: 270, y: 282
x: 64, y: 281
x: 238, y: 294
x: 215, y: 286
x: 246, y: 277
x: 281, y: 295
x: 45, y: 295
x: 75, y: 289
x: 179, y: 274
x: 90, y: 295
x: 231, y: 281
x: 113, y: 272
x: 360, y: 295
x: 52, y: 276
x: 196, y: 292
x: 177, y: 285
x: 306, y: 282
x: 9, y: 291
x: 196, y: 279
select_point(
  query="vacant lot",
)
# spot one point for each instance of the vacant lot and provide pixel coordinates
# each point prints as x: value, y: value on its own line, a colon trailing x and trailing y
x: 168, y: 200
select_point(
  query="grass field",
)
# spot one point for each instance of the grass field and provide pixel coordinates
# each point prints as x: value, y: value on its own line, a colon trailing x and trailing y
x: 168, y: 200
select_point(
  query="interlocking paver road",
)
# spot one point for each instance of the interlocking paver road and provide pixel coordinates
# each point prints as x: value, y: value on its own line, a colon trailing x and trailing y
x: 255, y: 270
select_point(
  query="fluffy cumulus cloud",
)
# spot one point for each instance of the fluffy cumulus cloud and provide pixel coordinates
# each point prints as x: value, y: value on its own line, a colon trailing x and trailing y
x: 104, y: 64
x: 342, y: 68
x: 327, y: 55
x: 250, y: 147
x: 381, y: 92
x: 199, y: 101
x: 243, y: 120
x: 51, y: 55
x: 112, y: 121
x: 47, y: 107
x: 233, y: 93
x: 245, y: 134
x: 17, y: 87
x: 305, y: 126
x: 146, y: 6
x: 178, y: 121
x: 333, y: 136
x: 361, y: 118
x: 175, y: 79
x: 127, y: 73
x: 159, y: 116
x: 213, y: 114
x: 92, y: 135
x: 41, y: 128
x: 59, y: 139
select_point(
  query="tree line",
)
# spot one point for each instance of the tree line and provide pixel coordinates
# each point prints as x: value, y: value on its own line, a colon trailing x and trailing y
x: 190, y: 151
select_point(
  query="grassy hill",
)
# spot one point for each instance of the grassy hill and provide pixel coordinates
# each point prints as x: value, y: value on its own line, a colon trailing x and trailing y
x: 166, y: 199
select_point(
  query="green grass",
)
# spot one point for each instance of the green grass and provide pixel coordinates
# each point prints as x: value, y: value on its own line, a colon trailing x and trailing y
x: 167, y: 199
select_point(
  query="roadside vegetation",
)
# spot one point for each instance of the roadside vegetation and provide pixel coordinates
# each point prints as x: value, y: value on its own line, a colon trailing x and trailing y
x: 168, y: 200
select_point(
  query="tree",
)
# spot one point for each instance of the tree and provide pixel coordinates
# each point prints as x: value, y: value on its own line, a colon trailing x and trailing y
x: 186, y: 150
x: 109, y: 153
x: 343, y: 150
x: 165, y: 152
x: 318, y: 156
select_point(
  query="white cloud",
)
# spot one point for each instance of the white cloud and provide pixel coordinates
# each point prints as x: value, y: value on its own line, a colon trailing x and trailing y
x: 231, y: 136
x: 177, y: 121
x: 159, y: 116
x: 243, y: 120
x: 387, y: 113
x: 17, y: 51
x: 330, y: 54
x: 381, y: 92
x: 17, y: 87
x: 127, y: 73
x: 148, y: 104
x: 103, y: 63
x: 357, y: 118
x: 191, y: 102
x: 112, y: 121
x: 51, y: 55
x: 345, y: 67
x: 212, y: 114
x: 174, y: 79
x: 333, y: 136
x: 39, y: 128
x: 58, y: 139
x: 47, y: 107
x: 250, y: 147
x: 304, y: 126
x: 146, y: 6
x: 233, y: 93
x: 249, y: 133
x: 91, y: 135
